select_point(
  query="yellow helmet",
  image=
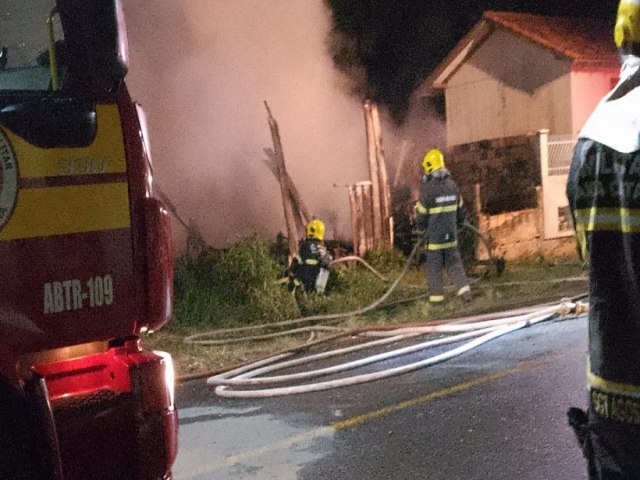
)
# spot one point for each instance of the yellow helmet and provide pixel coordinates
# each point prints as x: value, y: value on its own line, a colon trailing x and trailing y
x: 315, y: 229
x: 627, y: 29
x: 432, y: 161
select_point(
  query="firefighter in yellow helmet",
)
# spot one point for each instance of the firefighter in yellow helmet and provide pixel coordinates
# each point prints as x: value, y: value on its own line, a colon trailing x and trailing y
x: 310, y: 269
x: 440, y: 212
x: 603, y: 190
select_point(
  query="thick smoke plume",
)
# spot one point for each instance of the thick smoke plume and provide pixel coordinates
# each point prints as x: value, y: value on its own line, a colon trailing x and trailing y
x: 389, y: 48
x: 202, y: 70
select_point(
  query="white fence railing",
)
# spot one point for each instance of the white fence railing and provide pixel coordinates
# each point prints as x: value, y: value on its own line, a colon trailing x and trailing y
x: 555, y: 159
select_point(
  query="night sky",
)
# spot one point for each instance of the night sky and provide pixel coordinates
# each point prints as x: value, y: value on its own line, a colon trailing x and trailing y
x: 389, y: 47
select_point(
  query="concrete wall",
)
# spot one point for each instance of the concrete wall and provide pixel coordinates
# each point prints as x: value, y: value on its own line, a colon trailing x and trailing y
x: 518, y: 236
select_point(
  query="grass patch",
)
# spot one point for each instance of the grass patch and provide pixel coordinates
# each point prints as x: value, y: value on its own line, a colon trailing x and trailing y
x: 239, y: 287
x: 231, y: 287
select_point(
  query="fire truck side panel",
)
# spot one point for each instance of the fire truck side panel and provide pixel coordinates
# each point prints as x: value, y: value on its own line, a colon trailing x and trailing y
x: 86, y: 255
x: 63, y: 299
x: 153, y: 259
x: 71, y: 225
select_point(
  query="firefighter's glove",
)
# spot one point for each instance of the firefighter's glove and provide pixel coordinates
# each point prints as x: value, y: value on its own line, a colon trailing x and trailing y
x: 418, y: 234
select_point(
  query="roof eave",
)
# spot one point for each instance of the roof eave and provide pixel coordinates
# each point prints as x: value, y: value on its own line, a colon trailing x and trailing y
x: 603, y: 63
x: 456, y: 57
x: 438, y: 79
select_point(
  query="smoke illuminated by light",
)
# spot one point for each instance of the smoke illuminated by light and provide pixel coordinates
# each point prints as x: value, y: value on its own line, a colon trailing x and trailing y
x: 202, y: 70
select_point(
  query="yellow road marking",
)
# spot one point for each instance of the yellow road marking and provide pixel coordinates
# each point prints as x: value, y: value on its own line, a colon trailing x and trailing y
x: 445, y: 392
x: 360, y: 419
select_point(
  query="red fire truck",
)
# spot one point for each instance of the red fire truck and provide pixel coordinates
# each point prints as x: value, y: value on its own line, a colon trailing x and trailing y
x: 85, y: 258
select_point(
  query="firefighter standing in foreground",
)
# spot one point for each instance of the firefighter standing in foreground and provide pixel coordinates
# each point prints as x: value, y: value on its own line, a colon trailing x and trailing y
x: 439, y: 213
x: 604, y: 196
x: 310, y: 269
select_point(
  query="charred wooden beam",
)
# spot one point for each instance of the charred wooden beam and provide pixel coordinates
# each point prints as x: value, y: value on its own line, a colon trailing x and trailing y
x: 296, y: 213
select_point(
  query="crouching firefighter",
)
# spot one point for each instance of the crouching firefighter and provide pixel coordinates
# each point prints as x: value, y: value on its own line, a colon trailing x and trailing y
x: 309, y: 270
x: 439, y: 213
x: 604, y: 196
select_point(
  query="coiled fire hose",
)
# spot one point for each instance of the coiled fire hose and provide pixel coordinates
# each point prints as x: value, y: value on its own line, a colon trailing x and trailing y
x: 486, y: 329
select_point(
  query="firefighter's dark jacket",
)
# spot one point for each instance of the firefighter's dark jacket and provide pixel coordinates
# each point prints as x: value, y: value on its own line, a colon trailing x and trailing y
x: 312, y: 257
x: 603, y: 190
x: 440, y: 211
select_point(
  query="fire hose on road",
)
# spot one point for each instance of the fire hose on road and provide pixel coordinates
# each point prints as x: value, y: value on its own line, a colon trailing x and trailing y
x: 476, y: 330
x: 485, y: 331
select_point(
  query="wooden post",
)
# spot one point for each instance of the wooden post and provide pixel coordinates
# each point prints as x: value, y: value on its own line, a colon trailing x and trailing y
x: 366, y: 189
x: 385, y: 194
x: 481, y: 250
x: 355, y: 220
x: 380, y: 191
x: 293, y: 220
x: 281, y: 174
x: 361, y: 216
x: 373, y: 173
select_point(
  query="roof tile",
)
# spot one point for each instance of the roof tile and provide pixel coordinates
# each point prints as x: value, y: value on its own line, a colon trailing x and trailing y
x: 583, y: 40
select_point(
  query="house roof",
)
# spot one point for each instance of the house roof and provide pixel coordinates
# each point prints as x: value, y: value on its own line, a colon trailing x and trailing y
x: 585, y: 42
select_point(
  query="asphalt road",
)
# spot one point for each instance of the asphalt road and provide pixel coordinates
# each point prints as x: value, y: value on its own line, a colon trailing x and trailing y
x: 497, y: 412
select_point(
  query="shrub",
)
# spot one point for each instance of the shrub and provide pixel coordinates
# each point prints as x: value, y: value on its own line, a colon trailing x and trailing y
x: 246, y: 267
x: 237, y: 285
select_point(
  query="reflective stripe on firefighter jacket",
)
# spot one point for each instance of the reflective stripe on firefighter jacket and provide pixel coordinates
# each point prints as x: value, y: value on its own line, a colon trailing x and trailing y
x: 603, y: 189
x: 439, y: 211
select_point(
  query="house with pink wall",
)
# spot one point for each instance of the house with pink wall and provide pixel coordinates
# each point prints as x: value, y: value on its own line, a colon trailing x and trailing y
x: 517, y: 90
x: 515, y: 73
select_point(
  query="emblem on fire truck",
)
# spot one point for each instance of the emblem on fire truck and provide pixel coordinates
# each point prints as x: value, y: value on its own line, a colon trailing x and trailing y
x: 8, y: 179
